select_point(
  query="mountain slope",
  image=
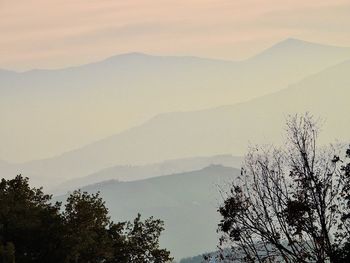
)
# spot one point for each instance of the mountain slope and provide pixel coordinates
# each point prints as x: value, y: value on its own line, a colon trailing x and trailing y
x: 220, y: 130
x: 187, y: 202
x: 132, y: 173
x: 45, y: 112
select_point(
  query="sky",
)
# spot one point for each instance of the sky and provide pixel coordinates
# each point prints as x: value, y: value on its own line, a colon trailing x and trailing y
x: 61, y: 33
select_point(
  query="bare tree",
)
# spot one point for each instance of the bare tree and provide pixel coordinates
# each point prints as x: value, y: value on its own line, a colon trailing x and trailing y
x: 290, y: 203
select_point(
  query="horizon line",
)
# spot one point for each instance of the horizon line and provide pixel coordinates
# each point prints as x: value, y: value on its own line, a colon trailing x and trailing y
x: 138, y: 53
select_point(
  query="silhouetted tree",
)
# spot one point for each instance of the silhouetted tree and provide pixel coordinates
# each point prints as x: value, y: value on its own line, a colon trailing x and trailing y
x: 32, y: 229
x: 7, y: 252
x: 344, y: 252
x: 93, y: 237
x: 86, y: 219
x: 291, y: 204
x: 29, y: 224
x: 138, y: 242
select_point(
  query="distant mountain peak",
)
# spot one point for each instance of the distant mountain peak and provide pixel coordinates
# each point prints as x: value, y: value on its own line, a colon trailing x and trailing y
x: 295, y: 42
x: 297, y: 46
x: 292, y: 40
x: 130, y: 55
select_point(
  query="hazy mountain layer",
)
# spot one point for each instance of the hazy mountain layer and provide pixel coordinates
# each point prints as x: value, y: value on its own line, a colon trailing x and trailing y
x: 46, y: 112
x: 187, y: 202
x: 226, y: 129
x: 132, y: 173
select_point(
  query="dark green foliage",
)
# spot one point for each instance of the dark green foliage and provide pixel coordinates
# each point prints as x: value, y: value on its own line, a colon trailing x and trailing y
x: 7, y: 252
x: 86, y: 219
x: 32, y: 229
x: 29, y: 222
x: 138, y: 242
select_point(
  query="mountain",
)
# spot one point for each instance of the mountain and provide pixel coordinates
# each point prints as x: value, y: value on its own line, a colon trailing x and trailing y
x: 296, y: 48
x: 227, y: 129
x: 187, y: 202
x: 46, y: 112
x: 132, y: 173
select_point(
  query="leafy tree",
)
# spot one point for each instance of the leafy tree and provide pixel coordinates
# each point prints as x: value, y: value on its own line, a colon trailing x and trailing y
x: 291, y: 204
x: 29, y: 224
x: 7, y: 253
x: 138, y: 242
x: 86, y: 219
x: 93, y: 237
x: 32, y: 229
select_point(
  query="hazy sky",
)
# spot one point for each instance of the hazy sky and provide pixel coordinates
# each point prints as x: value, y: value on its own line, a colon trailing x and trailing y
x: 58, y: 33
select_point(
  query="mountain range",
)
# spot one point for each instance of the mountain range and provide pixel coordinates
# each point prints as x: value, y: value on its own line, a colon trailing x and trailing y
x: 187, y: 202
x: 222, y: 130
x: 126, y: 173
x: 44, y: 113
x: 171, y: 127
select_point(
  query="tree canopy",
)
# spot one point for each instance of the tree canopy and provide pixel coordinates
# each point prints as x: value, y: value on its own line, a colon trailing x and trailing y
x: 291, y: 203
x: 33, y: 229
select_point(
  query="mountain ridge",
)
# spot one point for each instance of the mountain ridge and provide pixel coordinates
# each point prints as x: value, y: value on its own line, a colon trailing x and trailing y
x: 61, y: 111
x: 127, y: 173
x: 290, y: 42
x: 182, y: 200
x: 209, y: 132
x: 295, y: 44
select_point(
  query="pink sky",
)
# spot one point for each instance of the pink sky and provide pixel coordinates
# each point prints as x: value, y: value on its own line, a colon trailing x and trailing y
x: 59, y: 33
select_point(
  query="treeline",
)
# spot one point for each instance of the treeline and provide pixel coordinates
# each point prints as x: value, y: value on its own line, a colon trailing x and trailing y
x: 34, y: 229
